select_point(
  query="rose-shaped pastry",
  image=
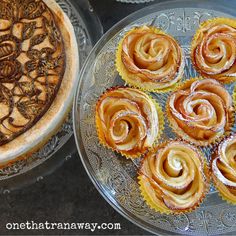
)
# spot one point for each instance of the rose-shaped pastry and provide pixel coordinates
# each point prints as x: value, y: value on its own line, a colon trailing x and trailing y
x: 201, y: 111
x: 214, y: 49
x: 174, y: 177
x: 223, y: 168
x: 128, y: 121
x: 150, y: 59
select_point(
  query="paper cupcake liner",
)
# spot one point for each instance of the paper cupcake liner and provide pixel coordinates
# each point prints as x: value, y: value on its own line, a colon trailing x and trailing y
x: 234, y: 100
x: 131, y: 79
x: 148, y: 200
x: 123, y: 153
x: 219, y: 20
x: 180, y: 133
x: 216, y: 183
x: 165, y: 210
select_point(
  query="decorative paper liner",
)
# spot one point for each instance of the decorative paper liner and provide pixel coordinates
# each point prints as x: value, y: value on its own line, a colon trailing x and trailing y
x: 219, y: 20
x: 131, y: 79
x: 125, y: 154
x: 180, y: 133
x: 234, y: 97
x: 143, y: 180
x: 217, y: 183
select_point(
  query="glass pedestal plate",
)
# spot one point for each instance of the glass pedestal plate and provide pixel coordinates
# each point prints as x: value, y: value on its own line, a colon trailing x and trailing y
x: 116, y: 177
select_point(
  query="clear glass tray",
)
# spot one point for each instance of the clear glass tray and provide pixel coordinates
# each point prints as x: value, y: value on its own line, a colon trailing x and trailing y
x: 61, y: 146
x: 115, y: 177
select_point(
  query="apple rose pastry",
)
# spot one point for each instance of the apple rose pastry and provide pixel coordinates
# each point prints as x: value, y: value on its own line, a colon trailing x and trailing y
x: 128, y: 121
x: 201, y: 111
x: 150, y: 59
x: 214, y: 49
x: 223, y: 168
x: 174, y: 177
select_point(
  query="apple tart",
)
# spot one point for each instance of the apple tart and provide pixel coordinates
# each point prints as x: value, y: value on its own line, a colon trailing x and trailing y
x: 174, y: 177
x: 128, y: 121
x: 201, y: 111
x: 223, y: 167
x: 213, y: 49
x: 38, y: 70
x: 150, y: 59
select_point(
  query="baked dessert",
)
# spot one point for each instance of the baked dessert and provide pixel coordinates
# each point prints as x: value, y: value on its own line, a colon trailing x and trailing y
x: 128, y: 121
x: 200, y: 111
x: 174, y: 177
x: 38, y: 70
x: 150, y: 59
x: 213, y: 49
x: 223, y: 167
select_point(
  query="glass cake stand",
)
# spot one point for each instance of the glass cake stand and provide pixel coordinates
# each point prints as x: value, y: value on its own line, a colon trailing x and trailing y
x: 115, y: 177
x: 61, y: 146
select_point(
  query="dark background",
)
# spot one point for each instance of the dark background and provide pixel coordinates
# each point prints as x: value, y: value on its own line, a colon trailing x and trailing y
x: 68, y: 195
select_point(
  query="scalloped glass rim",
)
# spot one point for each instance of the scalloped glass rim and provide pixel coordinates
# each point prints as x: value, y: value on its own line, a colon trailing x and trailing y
x: 210, y: 5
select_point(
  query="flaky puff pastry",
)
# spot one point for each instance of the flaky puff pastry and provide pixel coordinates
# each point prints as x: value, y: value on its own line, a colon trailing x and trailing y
x: 223, y: 167
x: 201, y: 111
x: 174, y: 177
x: 213, y: 50
x: 150, y: 59
x: 128, y: 121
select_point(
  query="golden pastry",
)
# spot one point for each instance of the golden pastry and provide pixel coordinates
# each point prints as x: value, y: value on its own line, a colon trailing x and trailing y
x: 201, y: 111
x: 150, y: 59
x: 174, y: 177
x: 128, y: 121
x: 214, y: 49
x: 223, y: 168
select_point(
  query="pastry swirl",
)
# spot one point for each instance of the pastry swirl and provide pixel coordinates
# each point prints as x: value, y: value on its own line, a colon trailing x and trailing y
x: 150, y: 59
x: 174, y: 177
x: 201, y: 111
x: 223, y: 168
x: 214, y: 49
x: 128, y: 120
